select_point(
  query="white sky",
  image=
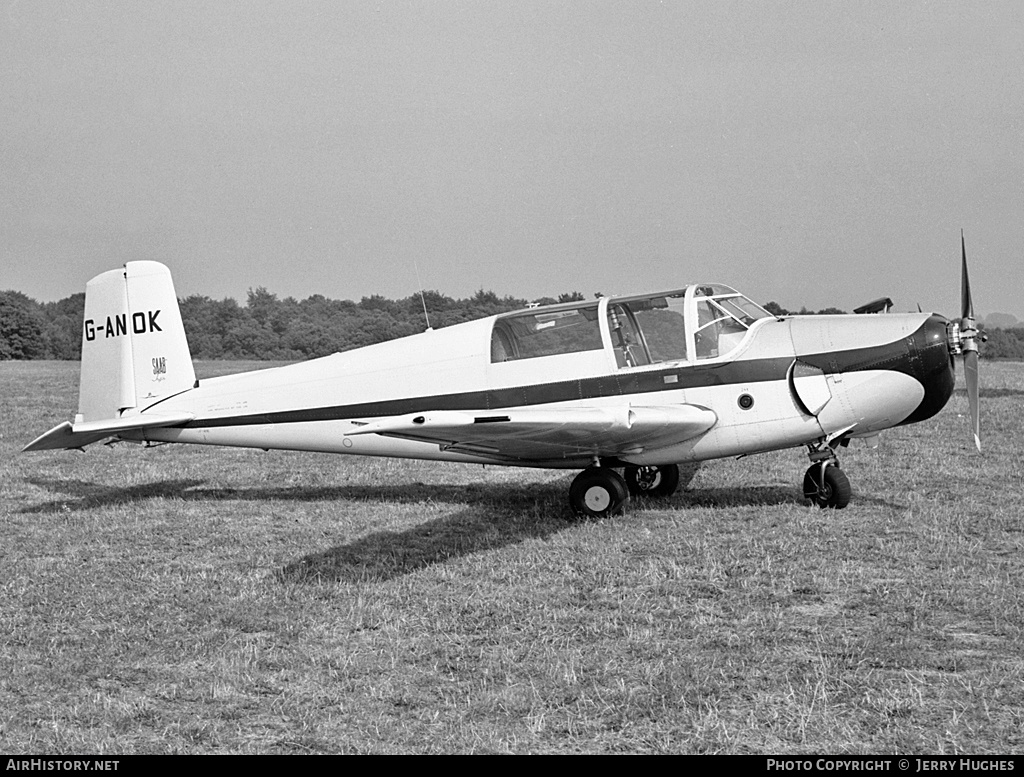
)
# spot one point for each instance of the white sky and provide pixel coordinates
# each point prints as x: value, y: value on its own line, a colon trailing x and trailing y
x: 812, y: 153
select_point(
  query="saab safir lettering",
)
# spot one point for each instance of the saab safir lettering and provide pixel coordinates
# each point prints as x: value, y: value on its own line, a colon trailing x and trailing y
x: 115, y: 326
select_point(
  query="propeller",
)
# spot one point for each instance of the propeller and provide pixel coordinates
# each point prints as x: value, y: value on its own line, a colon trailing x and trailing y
x: 969, y: 345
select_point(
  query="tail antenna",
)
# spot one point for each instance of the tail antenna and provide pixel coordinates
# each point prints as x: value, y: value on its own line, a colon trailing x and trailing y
x: 423, y: 298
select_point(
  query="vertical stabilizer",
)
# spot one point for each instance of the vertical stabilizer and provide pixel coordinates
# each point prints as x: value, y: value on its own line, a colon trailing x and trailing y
x: 134, y: 351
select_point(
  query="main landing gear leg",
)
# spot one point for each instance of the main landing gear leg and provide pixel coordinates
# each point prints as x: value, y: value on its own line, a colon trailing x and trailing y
x: 600, y: 491
x: 825, y: 484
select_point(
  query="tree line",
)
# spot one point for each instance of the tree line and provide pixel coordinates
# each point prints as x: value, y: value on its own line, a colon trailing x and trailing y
x: 289, y: 330
x: 265, y: 327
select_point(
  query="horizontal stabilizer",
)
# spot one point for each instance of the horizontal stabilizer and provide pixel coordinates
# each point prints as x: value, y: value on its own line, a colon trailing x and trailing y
x: 540, y: 433
x: 68, y: 435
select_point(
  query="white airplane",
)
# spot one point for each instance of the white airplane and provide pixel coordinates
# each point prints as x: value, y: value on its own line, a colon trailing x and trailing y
x: 640, y: 383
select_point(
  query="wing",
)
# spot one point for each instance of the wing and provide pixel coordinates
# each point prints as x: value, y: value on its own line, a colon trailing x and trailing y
x: 544, y: 434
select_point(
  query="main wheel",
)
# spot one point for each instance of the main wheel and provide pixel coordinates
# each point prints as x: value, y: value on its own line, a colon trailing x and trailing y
x: 598, y: 492
x: 652, y: 481
x: 827, y: 486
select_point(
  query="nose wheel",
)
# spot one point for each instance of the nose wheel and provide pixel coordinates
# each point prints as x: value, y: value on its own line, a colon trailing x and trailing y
x: 827, y: 486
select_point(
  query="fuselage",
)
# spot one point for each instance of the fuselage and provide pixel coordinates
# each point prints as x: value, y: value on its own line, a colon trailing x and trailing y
x: 772, y: 382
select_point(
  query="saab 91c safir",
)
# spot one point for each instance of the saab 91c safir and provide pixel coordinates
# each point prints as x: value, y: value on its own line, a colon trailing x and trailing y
x: 638, y: 384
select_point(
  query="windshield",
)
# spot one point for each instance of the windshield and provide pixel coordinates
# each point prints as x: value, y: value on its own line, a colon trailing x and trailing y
x: 723, y: 317
x: 710, y: 319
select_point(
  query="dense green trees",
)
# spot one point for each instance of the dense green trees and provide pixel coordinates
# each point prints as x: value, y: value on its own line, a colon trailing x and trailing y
x: 29, y: 330
x: 777, y: 310
x: 1004, y: 344
x: 21, y: 327
x: 270, y: 328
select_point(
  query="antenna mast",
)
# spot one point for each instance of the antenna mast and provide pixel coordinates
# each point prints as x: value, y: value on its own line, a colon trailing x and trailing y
x: 423, y: 299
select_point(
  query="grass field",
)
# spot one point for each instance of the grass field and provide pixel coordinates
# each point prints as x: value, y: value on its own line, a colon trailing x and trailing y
x: 205, y: 600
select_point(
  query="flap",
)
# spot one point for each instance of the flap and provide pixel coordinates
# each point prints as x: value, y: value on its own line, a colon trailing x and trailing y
x: 544, y: 433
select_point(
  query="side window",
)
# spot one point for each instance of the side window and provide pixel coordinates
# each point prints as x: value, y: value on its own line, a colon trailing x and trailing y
x: 627, y: 340
x: 663, y: 327
x: 546, y: 333
x: 502, y: 345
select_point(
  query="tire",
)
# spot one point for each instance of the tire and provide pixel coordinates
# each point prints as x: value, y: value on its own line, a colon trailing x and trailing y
x: 830, y: 489
x: 652, y: 481
x: 598, y: 492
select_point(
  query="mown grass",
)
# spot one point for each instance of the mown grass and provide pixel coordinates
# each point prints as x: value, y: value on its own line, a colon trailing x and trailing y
x: 194, y: 600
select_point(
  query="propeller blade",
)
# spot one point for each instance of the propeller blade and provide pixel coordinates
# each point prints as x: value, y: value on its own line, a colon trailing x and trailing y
x: 969, y: 344
x: 971, y: 375
x: 966, y: 303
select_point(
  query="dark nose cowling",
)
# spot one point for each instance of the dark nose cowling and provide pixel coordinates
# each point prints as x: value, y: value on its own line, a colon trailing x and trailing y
x: 930, y: 363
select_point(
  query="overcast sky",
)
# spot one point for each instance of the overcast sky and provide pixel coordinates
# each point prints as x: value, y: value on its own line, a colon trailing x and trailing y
x: 812, y: 153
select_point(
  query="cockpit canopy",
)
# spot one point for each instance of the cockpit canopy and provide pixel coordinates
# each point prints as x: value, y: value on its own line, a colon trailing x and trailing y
x: 690, y: 324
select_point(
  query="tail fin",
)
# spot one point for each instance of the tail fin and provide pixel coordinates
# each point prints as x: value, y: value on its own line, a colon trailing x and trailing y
x: 134, y: 354
x: 134, y: 351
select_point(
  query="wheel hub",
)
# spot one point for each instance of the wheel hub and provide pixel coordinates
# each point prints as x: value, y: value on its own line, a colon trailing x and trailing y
x: 647, y: 478
x: 597, y: 499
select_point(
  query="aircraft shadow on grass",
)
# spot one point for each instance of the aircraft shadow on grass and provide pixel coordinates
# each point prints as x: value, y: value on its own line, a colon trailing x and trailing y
x: 387, y: 555
x: 492, y: 516
x: 81, y: 494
